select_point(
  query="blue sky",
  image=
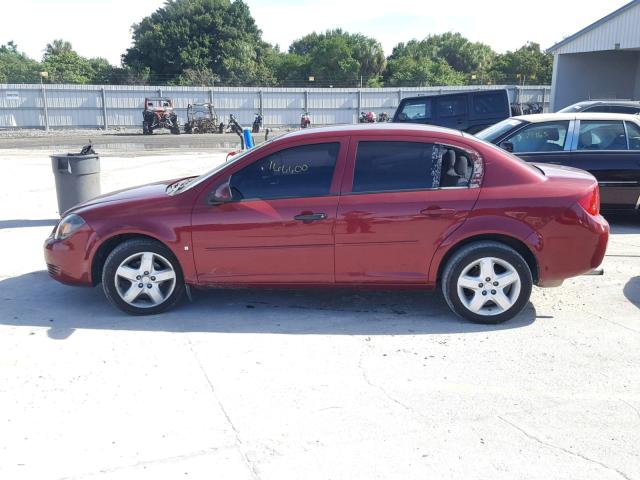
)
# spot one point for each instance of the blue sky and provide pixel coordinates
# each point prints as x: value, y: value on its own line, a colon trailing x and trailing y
x: 102, y: 27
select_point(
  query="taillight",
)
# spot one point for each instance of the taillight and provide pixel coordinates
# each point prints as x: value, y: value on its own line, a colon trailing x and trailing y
x: 591, y: 201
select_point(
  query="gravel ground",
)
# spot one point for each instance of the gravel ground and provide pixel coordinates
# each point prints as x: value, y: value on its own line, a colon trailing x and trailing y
x: 244, y: 384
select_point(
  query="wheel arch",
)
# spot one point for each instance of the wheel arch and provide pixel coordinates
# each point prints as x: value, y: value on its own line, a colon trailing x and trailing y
x: 107, y: 246
x: 518, y: 245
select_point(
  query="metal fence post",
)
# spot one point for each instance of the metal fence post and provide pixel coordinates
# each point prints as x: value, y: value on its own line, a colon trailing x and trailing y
x: 104, y: 108
x: 399, y: 96
x: 359, y: 105
x: 45, y: 108
x: 261, y: 106
x: 211, y: 97
x: 306, y: 100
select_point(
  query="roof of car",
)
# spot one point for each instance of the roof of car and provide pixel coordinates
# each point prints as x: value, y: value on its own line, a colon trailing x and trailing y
x: 548, y: 117
x: 632, y: 103
x: 396, y: 128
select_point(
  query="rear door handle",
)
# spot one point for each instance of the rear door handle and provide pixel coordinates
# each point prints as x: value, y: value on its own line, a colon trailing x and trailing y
x: 437, y: 211
x: 310, y: 217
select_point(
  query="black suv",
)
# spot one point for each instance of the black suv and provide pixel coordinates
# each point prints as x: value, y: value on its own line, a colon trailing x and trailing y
x: 468, y: 111
x: 604, y: 106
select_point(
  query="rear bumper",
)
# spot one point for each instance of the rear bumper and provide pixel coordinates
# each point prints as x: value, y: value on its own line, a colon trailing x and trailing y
x: 571, y: 245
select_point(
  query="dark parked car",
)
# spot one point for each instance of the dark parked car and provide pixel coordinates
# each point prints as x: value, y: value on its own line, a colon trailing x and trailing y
x: 604, y: 106
x: 605, y: 144
x: 353, y: 206
x: 468, y: 111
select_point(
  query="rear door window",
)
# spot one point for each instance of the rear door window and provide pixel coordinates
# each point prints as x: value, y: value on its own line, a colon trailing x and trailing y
x: 540, y: 137
x: 418, y: 110
x: 385, y: 166
x: 633, y: 131
x: 488, y: 104
x: 305, y: 171
x: 601, y: 135
x: 451, y: 106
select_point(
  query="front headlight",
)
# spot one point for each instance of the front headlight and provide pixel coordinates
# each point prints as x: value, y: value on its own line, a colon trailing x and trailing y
x: 68, y: 226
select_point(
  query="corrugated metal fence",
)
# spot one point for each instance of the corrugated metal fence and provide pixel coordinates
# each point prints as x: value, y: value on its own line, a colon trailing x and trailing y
x: 95, y: 106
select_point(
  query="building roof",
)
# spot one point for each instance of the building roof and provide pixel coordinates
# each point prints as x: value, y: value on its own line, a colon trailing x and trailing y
x: 595, y: 25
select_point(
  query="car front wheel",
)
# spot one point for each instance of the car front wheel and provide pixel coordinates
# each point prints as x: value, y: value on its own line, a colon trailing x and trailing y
x: 487, y: 282
x: 142, y: 277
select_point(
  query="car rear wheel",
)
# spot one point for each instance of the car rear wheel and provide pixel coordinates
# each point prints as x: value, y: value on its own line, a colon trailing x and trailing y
x: 487, y: 282
x: 142, y: 277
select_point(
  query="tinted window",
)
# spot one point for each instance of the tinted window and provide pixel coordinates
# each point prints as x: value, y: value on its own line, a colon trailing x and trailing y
x: 601, y: 135
x: 394, y: 166
x: 634, y: 135
x: 304, y: 171
x: 415, y: 110
x: 451, y: 106
x: 623, y: 109
x: 540, y: 137
x: 384, y: 166
x: 488, y: 103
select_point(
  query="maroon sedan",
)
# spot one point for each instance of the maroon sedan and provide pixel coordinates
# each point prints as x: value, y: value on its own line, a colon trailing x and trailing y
x: 354, y: 206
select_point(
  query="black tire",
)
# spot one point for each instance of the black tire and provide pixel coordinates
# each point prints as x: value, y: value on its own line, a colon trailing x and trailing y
x: 128, y: 249
x: 465, y: 256
x: 175, y: 130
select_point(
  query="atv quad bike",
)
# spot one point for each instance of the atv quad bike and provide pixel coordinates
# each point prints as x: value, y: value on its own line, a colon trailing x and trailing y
x: 158, y: 113
x: 201, y: 118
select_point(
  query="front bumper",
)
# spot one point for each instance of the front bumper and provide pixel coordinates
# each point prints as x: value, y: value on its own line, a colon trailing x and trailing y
x: 68, y: 260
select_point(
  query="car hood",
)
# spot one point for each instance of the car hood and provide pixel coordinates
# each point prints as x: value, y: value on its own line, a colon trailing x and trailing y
x: 142, y: 192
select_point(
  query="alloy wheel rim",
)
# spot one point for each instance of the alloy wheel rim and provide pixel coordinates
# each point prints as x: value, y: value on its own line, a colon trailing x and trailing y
x: 145, y: 280
x: 489, y: 286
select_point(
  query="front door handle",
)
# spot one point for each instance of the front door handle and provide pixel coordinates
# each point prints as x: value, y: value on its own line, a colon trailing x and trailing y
x: 310, y: 217
x: 436, y: 211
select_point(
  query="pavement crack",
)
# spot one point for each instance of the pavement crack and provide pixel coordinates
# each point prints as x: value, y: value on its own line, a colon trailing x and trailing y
x: 562, y: 449
x: 632, y: 407
x: 239, y: 444
x: 382, y: 390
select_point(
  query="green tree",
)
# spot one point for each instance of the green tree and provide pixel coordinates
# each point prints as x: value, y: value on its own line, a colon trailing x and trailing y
x: 412, y: 64
x: 16, y: 67
x: 527, y: 64
x: 64, y: 65
x: 218, y: 36
x: 462, y: 54
x: 337, y: 58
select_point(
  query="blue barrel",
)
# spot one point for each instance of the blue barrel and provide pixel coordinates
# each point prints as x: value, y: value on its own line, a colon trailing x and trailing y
x: 248, y: 139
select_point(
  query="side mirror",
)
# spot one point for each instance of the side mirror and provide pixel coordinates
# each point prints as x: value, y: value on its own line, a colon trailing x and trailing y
x: 221, y: 194
x: 508, y: 146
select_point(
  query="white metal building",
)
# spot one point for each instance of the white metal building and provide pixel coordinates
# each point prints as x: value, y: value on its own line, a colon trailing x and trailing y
x: 600, y: 61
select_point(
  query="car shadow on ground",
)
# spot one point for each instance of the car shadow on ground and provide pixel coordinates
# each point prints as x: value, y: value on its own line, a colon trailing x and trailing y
x: 624, y: 224
x: 632, y: 291
x: 35, y: 300
x: 20, y: 223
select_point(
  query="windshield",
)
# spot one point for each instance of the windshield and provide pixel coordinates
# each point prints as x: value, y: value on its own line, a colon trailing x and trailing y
x: 189, y: 183
x: 496, y: 131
